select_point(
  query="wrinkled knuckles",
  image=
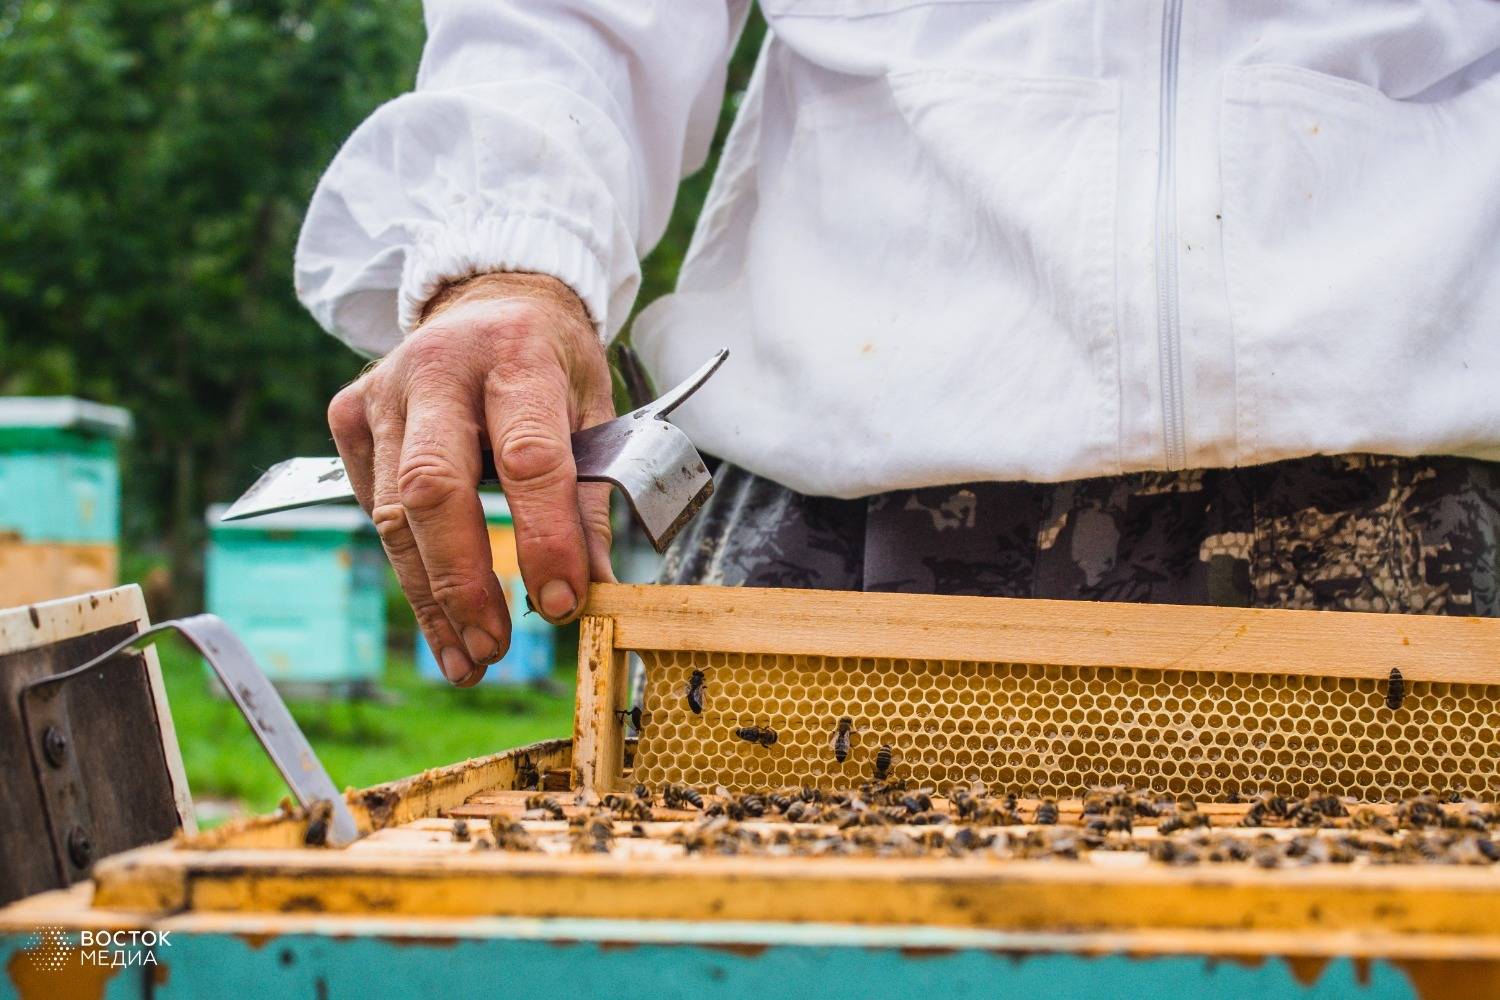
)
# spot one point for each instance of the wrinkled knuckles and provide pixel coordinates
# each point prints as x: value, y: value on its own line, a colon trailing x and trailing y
x: 440, y: 361
x: 426, y: 482
x: 346, y: 414
x: 432, y: 622
x: 392, y: 527
x: 533, y: 458
x: 463, y: 598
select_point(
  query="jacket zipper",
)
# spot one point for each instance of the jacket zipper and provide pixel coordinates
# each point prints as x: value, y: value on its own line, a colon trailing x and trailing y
x: 1168, y: 331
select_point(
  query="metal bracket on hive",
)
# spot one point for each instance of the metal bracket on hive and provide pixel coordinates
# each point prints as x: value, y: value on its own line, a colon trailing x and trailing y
x: 50, y: 735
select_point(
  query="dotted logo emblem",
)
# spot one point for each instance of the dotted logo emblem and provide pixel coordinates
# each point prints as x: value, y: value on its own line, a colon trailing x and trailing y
x: 51, y: 949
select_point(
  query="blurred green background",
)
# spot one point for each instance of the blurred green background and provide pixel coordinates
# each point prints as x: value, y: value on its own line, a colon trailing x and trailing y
x: 157, y: 156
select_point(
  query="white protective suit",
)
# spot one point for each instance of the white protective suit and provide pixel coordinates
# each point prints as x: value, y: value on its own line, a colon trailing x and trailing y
x: 961, y: 240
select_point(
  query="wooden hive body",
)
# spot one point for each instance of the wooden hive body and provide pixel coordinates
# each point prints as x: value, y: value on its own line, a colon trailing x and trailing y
x: 414, y: 873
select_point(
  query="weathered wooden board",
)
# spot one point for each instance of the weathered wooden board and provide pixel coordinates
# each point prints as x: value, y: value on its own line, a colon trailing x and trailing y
x: 1080, y: 633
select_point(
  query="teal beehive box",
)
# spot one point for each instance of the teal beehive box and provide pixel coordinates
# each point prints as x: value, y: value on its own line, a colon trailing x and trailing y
x: 532, y: 650
x: 305, y: 589
x: 59, y: 469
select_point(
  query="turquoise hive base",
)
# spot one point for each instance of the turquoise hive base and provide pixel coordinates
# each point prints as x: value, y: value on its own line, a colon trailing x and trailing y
x: 532, y: 653
x: 594, y: 959
x: 308, y: 602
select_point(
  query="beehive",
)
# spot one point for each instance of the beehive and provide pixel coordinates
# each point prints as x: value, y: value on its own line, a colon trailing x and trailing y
x: 305, y: 590
x: 1118, y: 913
x: 59, y: 497
x: 1054, y: 698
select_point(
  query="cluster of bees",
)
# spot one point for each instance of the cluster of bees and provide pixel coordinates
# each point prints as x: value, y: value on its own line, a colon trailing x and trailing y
x: 891, y: 819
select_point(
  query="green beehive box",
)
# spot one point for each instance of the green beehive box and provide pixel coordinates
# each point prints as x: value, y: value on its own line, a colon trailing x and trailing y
x: 305, y: 590
x: 59, y: 469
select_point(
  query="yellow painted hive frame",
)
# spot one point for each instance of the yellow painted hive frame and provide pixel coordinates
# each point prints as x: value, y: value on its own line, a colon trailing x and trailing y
x: 411, y: 861
x: 1045, y: 698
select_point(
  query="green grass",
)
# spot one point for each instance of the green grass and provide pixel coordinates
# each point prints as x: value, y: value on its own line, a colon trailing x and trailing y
x: 426, y: 724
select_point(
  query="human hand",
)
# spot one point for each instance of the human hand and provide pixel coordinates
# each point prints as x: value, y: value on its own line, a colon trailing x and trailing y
x: 512, y: 360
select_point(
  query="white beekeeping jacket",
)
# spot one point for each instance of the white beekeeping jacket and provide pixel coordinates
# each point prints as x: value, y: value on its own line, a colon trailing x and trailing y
x: 963, y: 240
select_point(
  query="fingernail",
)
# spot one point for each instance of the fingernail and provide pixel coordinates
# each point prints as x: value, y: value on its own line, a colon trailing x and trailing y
x: 456, y: 665
x: 481, y: 645
x: 557, y: 599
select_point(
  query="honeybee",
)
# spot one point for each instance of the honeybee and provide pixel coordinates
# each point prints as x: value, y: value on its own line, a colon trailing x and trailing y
x: 1119, y: 819
x: 1172, y: 852
x: 461, y: 831
x: 1268, y: 856
x: 968, y: 839
x: 1395, y: 690
x: 1046, y: 812
x: 628, y: 807
x: 1262, y: 807
x: 917, y: 801
x: 546, y: 804
x: 527, y: 775
x: 1419, y: 811
x: 968, y: 801
x: 990, y: 812
x: 1184, y: 816
x: 1369, y: 819
x: 633, y: 714
x: 319, y: 816
x: 719, y: 835
x: 510, y: 835
x: 764, y: 735
x: 595, y: 836
x: 680, y: 796
x: 746, y: 807
x: 882, y: 761
x: 695, y: 692
x: 841, y: 740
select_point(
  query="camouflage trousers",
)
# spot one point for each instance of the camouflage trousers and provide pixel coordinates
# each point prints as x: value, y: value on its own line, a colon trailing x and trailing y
x: 1349, y: 532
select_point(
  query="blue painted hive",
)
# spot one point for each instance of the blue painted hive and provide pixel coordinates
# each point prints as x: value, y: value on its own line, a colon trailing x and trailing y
x: 305, y: 589
x: 59, y: 497
x: 532, y: 641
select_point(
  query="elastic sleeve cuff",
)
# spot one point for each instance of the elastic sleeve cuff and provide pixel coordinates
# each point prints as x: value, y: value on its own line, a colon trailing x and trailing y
x: 464, y: 248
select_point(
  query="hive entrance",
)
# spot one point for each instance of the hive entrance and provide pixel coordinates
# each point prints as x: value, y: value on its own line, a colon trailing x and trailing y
x: 1046, y: 731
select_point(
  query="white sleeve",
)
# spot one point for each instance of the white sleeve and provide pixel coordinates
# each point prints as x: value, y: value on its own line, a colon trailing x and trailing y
x: 543, y: 135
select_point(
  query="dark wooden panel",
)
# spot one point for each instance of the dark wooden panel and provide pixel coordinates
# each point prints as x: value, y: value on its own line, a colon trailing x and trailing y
x: 116, y: 742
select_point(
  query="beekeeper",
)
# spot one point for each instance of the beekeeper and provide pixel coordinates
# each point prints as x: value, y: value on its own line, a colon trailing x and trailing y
x: 1148, y: 301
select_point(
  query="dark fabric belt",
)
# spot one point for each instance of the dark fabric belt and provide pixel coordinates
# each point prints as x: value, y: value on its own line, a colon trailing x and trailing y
x: 1347, y: 532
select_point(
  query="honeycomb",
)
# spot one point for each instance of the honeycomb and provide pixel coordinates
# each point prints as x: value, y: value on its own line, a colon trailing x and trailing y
x: 1059, y: 730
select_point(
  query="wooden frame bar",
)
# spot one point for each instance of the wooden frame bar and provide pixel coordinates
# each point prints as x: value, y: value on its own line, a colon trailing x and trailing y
x: 1073, y: 633
x: 598, y: 734
x: 996, y: 895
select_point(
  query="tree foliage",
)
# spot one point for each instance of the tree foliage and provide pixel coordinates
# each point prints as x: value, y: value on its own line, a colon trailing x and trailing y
x: 156, y: 158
